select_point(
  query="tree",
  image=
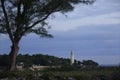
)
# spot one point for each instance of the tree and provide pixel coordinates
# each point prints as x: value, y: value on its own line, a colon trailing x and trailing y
x: 20, y: 17
x: 89, y: 63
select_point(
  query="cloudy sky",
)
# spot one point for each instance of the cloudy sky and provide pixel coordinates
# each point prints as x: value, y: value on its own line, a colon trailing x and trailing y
x: 90, y: 31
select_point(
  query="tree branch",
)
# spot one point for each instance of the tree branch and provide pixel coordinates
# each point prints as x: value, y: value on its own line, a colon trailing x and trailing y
x: 47, y: 15
x: 7, y: 22
x: 40, y: 20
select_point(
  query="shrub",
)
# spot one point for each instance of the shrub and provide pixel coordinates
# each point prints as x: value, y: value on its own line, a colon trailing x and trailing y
x: 27, y: 74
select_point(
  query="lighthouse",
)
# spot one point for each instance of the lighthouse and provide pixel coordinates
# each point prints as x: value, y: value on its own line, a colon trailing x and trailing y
x: 72, y: 58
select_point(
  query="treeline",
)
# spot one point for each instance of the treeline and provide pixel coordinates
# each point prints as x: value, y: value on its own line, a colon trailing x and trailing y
x: 44, y: 60
x: 40, y: 59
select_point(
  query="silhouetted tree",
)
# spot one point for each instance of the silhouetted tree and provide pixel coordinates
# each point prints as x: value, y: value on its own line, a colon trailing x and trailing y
x: 89, y: 63
x: 20, y: 17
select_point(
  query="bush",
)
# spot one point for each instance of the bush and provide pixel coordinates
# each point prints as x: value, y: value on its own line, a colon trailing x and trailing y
x: 27, y: 74
x: 116, y: 75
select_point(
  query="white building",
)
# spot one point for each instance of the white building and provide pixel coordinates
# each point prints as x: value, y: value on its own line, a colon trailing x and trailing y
x: 72, y: 58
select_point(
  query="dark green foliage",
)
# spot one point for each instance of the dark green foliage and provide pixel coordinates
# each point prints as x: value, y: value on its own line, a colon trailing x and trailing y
x: 116, y: 74
x: 23, y: 15
x: 48, y: 76
x: 26, y: 74
x: 39, y: 59
x: 89, y: 63
x: 25, y: 59
x: 47, y: 60
x: 106, y: 73
x: 4, y: 60
x: 83, y: 74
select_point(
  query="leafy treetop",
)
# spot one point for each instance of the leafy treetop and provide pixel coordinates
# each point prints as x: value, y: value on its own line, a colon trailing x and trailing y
x: 19, y: 17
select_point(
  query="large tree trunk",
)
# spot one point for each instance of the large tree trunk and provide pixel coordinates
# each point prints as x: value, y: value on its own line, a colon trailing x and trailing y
x: 13, y: 55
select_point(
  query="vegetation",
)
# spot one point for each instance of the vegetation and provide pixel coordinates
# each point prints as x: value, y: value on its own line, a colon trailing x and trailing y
x: 39, y: 59
x: 4, y: 60
x: 83, y: 74
x: 20, y: 75
x: 81, y: 70
x: 46, y: 60
x: 101, y: 73
x: 20, y: 17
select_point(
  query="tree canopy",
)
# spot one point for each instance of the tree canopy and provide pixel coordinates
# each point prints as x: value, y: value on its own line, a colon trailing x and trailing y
x: 19, y: 17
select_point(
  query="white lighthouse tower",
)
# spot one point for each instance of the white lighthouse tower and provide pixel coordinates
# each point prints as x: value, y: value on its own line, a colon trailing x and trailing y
x: 72, y: 58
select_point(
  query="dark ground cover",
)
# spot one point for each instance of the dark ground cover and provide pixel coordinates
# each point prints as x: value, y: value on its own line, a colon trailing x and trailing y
x: 101, y: 73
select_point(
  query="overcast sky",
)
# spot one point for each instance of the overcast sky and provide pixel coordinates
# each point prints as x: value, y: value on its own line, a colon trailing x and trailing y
x: 90, y: 31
